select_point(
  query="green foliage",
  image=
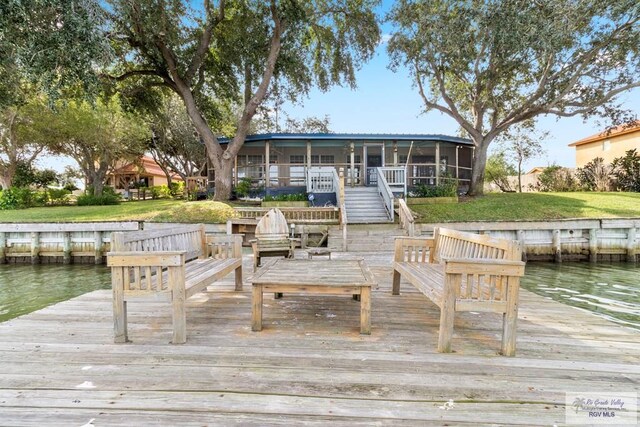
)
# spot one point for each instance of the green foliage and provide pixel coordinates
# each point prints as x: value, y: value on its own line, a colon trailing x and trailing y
x: 498, y: 170
x: 447, y: 188
x: 91, y: 200
x: 160, y: 192
x: 177, y: 188
x: 557, y: 179
x: 21, y: 198
x: 56, y: 43
x: 196, y: 212
x: 626, y: 170
x: 27, y: 175
x: 58, y: 196
x: 595, y: 175
x: 244, y: 187
x: 294, y: 197
x: 109, y: 196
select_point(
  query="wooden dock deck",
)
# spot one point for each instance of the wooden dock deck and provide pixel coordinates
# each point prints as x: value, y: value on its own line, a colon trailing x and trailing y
x: 309, y: 365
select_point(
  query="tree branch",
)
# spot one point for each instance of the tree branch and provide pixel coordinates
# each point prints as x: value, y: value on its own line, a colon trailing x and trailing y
x: 205, y: 39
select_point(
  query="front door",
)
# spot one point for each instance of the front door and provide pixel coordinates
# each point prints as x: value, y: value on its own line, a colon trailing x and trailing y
x: 373, y: 156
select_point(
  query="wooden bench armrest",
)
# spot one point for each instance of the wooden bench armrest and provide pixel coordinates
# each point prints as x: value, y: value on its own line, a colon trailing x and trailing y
x: 220, y: 243
x: 413, y: 249
x: 146, y: 259
x: 483, y: 266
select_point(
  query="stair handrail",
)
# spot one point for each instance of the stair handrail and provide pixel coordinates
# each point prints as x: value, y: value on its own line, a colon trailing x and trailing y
x: 396, y: 177
x: 385, y: 191
x: 407, y: 221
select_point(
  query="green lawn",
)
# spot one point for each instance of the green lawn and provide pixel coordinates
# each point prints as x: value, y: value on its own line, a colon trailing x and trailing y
x: 492, y: 207
x: 158, y: 210
x: 533, y: 206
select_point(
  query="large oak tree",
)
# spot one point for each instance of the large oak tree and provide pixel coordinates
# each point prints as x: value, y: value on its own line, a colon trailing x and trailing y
x: 211, y: 52
x: 493, y: 64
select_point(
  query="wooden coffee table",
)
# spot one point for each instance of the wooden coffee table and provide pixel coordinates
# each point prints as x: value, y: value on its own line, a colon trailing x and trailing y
x: 337, y: 277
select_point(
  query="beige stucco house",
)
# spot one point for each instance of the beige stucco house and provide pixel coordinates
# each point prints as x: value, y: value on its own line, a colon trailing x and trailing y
x: 607, y: 145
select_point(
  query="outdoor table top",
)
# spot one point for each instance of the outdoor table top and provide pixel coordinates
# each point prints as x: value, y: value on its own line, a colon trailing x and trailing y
x: 336, y: 273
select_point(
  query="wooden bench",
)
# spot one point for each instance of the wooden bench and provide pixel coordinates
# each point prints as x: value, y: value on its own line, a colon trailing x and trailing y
x: 171, y: 264
x: 462, y: 271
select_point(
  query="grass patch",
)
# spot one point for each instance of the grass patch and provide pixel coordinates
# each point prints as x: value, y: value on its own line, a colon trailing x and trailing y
x: 148, y: 210
x: 533, y: 206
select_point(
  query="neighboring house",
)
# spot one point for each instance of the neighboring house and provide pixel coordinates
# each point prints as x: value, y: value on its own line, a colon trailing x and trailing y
x: 280, y: 161
x: 608, y: 145
x: 145, y: 173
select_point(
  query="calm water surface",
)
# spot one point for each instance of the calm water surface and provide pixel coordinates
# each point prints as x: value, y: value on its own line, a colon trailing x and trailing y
x: 27, y: 288
x: 611, y: 291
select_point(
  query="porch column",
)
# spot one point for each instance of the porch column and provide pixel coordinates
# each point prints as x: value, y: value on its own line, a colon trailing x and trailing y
x: 395, y: 153
x: 457, y: 161
x: 266, y: 164
x: 437, y: 163
x: 352, y: 152
x: 308, y: 155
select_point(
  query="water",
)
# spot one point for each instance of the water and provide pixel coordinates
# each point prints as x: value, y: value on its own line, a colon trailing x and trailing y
x: 611, y: 291
x: 27, y: 288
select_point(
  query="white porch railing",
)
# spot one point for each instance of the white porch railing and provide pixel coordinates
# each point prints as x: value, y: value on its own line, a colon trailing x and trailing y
x: 396, y: 178
x: 385, y: 191
x: 322, y: 180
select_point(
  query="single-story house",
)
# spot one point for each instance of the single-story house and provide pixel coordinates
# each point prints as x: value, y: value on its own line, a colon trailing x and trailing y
x: 144, y: 173
x: 608, y: 145
x: 280, y: 161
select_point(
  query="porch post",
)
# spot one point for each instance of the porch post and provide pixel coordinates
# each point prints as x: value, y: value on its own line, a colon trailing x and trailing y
x: 437, y: 163
x: 308, y: 155
x: 266, y: 164
x: 352, y: 152
x: 457, y: 161
x: 395, y: 153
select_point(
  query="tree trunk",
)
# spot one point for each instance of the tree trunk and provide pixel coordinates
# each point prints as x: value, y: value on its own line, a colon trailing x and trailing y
x: 479, y: 164
x: 520, y: 176
x: 222, y: 181
x: 97, y: 185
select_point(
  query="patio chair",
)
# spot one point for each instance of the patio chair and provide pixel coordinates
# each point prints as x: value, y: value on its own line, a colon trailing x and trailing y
x: 272, y: 238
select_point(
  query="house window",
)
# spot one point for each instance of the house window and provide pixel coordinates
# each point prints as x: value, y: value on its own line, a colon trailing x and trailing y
x: 606, y: 145
x: 356, y: 159
x: 296, y: 159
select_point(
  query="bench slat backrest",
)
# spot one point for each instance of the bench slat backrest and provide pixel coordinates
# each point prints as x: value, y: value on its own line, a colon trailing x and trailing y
x: 272, y: 226
x: 189, y: 238
x: 459, y: 244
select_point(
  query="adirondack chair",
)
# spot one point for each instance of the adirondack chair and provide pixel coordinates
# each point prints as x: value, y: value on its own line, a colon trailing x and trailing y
x: 272, y: 238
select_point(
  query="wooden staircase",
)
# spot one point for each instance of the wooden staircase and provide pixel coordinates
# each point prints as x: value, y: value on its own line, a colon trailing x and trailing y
x: 365, y: 206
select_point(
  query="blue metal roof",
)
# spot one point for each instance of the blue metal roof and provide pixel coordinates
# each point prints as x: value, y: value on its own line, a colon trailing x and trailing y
x: 352, y: 137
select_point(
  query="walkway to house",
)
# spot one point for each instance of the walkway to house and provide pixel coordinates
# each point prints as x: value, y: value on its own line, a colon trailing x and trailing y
x: 309, y: 365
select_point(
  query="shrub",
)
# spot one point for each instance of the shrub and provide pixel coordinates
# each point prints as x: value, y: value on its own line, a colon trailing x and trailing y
x: 626, y: 170
x: 448, y: 188
x: 177, y: 188
x: 21, y: 198
x: 555, y: 178
x: 295, y: 197
x: 595, y: 175
x: 244, y: 187
x: 108, y: 197
x: 58, y: 196
x: 160, y: 192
